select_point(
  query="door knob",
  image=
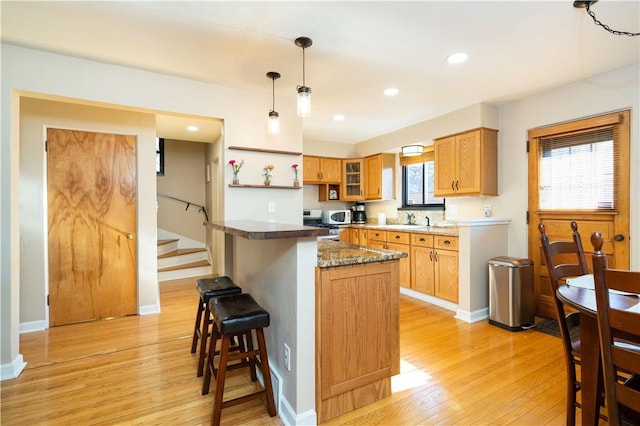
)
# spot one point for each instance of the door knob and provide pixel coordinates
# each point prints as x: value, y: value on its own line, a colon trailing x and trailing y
x: 129, y: 236
x: 618, y: 237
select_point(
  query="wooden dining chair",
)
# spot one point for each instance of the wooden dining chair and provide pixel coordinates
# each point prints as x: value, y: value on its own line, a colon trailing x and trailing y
x: 566, y: 259
x: 619, y: 338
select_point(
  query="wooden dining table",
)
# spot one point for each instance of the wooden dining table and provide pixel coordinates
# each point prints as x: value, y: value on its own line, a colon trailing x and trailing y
x: 584, y: 301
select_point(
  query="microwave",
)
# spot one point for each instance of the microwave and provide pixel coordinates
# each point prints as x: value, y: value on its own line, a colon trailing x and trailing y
x: 336, y: 217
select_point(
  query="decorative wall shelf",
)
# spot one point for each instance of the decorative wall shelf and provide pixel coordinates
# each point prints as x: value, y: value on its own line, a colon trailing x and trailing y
x: 268, y: 151
x: 231, y: 185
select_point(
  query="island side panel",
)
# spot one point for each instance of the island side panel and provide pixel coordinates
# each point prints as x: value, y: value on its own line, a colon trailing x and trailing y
x: 357, y: 335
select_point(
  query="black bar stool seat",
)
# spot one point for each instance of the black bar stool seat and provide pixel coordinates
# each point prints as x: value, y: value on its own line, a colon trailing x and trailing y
x: 207, y: 289
x: 238, y: 315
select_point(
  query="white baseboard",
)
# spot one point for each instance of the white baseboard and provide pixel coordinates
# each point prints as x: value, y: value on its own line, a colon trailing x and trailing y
x: 149, y: 310
x: 31, y: 326
x: 430, y: 299
x: 13, y: 369
x: 475, y: 316
x: 285, y: 411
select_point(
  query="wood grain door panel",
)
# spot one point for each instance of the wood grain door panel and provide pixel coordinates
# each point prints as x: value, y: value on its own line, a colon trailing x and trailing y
x: 91, y: 196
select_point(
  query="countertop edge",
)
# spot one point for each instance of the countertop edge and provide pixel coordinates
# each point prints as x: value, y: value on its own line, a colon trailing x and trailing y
x: 256, y: 230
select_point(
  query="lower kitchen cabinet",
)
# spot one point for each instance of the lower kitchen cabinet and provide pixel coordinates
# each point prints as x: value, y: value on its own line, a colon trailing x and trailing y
x: 377, y: 238
x: 445, y: 254
x: 358, y: 236
x: 434, y: 265
x: 400, y: 241
x: 422, y: 264
x: 397, y: 241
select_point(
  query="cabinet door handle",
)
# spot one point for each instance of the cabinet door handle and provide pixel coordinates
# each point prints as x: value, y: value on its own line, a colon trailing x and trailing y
x: 421, y: 239
x: 453, y: 187
x: 397, y: 237
x: 435, y: 256
x: 431, y: 256
x: 457, y: 185
x: 446, y: 242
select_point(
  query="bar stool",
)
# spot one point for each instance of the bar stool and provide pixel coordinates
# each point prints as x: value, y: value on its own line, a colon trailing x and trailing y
x: 238, y: 315
x: 208, y: 288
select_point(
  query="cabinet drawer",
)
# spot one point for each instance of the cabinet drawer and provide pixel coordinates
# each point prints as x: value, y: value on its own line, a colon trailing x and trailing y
x: 398, y: 237
x: 377, y: 235
x: 422, y: 240
x: 445, y: 242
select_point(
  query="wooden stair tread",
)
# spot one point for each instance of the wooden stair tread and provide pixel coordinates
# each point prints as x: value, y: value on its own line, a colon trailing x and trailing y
x: 186, y: 266
x: 163, y: 242
x: 178, y: 252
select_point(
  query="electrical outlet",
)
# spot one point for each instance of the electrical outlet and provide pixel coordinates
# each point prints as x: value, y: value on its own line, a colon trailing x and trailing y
x: 287, y: 357
x: 271, y: 207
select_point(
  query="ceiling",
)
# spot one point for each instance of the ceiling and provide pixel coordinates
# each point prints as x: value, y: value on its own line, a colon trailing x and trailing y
x: 359, y: 48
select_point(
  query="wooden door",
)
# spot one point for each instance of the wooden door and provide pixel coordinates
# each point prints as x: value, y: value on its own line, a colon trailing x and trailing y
x: 310, y: 169
x: 422, y: 272
x: 613, y: 223
x: 353, y: 179
x: 331, y: 170
x: 373, y: 166
x: 468, y: 165
x: 445, y: 164
x: 446, y: 274
x: 91, y: 191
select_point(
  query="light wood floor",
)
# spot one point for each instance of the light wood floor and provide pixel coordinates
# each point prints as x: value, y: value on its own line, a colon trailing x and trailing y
x: 138, y: 370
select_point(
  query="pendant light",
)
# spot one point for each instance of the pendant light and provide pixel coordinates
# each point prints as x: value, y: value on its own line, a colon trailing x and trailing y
x: 304, y: 92
x: 274, y: 118
x: 412, y: 150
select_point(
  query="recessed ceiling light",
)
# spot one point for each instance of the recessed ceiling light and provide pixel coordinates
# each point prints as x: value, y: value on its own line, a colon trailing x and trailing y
x: 192, y: 128
x: 339, y: 117
x: 391, y: 91
x: 457, y: 58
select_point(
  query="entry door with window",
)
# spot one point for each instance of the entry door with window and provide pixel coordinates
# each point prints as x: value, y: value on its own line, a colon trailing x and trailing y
x: 91, y: 192
x: 579, y: 171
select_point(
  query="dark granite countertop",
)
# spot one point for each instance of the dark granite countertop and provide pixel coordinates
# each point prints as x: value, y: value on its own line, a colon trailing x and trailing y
x: 256, y: 230
x: 335, y: 253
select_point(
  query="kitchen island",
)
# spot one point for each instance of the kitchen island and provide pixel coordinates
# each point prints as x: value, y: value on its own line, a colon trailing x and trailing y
x: 357, y: 326
x: 334, y: 306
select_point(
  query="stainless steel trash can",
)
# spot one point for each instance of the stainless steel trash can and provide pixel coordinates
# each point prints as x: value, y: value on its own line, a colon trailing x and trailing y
x: 511, y: 296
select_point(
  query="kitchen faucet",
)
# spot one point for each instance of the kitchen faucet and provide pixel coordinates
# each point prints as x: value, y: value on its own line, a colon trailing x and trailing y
x: 428, y: 220
x: 410, y: 217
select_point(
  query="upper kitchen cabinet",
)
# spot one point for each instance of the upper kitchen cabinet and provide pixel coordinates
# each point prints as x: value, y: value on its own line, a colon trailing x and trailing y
x: 353, y: 179
x: 321, y: 170
x: 467, y: 163
x: 380, y: 175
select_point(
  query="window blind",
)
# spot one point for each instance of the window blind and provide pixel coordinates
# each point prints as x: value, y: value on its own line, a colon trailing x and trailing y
x: 578, y: 170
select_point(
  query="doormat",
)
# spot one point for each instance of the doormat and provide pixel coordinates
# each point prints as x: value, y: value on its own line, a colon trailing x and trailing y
x: 549, y: 326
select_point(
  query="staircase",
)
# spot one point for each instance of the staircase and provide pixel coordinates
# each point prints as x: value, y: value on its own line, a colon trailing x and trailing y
x: 175, y: 263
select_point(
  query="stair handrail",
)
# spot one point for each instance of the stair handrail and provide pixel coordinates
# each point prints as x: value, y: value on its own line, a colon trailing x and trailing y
x: 188, y: 203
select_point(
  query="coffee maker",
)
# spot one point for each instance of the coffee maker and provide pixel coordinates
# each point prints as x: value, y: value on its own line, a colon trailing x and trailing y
x: 358, y: 215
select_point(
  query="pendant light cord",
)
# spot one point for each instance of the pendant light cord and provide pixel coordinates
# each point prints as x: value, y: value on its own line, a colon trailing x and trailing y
x: 606, y: 27
x: 273, y: 94
x: 303, y: 68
